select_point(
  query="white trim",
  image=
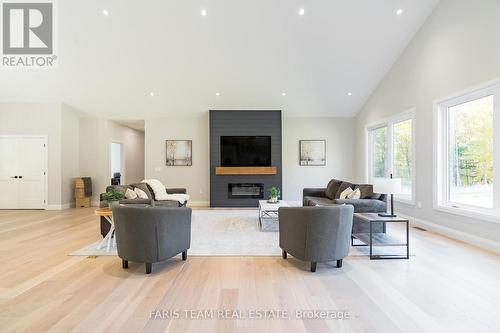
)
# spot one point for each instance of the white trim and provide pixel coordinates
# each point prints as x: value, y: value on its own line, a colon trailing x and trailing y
x: 481, y: 242
x: 198, y: 203
x: 58, y: 206
x: 409, y: 114
x: 440, y: 149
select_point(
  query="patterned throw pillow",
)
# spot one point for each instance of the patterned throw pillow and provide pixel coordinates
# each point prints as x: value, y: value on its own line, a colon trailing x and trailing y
x: 345, y: 193
x: 129, y: 194
x: 356, y: 194
x: 140, y: 193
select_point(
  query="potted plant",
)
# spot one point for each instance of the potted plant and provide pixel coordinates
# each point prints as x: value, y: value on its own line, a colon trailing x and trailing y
x: 274, y: 194
x: 113, y: 196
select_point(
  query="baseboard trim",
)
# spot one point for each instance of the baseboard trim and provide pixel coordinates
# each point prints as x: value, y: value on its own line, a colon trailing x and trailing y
x: 58, y: 207
x: 198, y: 204
x: 481, y: 242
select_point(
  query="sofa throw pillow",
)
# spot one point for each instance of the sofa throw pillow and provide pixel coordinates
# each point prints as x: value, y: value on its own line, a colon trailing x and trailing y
x: 140, y: 193
x: 366, y: 190
x: 376, y: 196
x: 345, y: 193
x: 342, y: 188
x: 356, y: 194
x: 159, y: 190
x: 129, y: 194
x: 332, y: 188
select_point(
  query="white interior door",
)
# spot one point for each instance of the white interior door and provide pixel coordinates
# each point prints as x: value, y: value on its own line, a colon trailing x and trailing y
x: 22, y: 171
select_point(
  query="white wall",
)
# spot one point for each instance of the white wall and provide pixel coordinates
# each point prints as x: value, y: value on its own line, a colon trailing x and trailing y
x: 457, y: 48
x: 337, y: 131
x: 339, y: 136
x: 70, y: 153
x: 96, y: 134
x: 194, y: 178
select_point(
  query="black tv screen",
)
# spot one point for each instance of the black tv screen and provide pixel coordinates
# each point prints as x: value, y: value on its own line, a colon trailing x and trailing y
x: 245, y: 150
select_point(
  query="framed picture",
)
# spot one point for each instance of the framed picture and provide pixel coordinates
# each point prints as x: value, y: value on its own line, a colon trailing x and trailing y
x: 312, y: 152
x: 179, y: 152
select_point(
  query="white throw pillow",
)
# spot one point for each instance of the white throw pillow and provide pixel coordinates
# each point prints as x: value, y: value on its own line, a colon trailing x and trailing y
x: 140, y: 193
x: 356, y: 194
x: 129, y: 194
x: 158, y: 188
x: 345, y: 193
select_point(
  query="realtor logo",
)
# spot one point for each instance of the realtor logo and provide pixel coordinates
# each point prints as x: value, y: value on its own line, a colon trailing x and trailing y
x: 28, y: 34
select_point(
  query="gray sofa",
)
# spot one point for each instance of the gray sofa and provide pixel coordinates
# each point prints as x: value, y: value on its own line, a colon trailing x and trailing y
x: 369, y: 202
x: 151, y: 234
x: 316, y: 234
x: 151, y: 200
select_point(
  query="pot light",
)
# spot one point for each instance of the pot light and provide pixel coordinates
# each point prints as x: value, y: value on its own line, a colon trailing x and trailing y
x: 302, y: 11
x: 217, y: 94
x: 283, y: 94
x: 105, y: 12
x: 151, y: 94
x: 349, y: 94
x: 203, y: 12
x: 399, y: 11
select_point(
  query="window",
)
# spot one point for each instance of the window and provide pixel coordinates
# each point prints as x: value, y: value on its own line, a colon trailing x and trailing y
x: 391, y: 151
x: 466, y: 159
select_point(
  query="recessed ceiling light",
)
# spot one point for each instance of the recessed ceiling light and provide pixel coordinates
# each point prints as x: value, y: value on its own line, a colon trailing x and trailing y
x: 302, y: 11
x: 105, y: 12
x: 217, y: 94
x: 349, y: 94
x: 151, y: 94
x: 399, y: 11
x: 203, y: 12
x: 283, y: 94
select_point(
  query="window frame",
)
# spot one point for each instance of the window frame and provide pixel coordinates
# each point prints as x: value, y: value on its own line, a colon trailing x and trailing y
x: 390, y: 122
x: 441, y: 153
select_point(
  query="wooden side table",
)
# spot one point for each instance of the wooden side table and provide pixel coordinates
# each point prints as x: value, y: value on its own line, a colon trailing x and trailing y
x: 107, y: 213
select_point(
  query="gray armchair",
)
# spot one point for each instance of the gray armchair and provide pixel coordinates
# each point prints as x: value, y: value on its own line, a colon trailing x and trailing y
x: 316, y: 234
x: 151, y: 234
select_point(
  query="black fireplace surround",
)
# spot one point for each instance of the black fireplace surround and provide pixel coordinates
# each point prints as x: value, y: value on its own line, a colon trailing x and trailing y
x: 243, y: 190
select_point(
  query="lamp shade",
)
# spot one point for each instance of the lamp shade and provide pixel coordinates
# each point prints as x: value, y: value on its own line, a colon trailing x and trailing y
x: 387, y: 185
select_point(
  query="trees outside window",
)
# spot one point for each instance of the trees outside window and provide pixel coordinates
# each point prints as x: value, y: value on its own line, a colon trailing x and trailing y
x: 391, y: 151
x: 467, y: 127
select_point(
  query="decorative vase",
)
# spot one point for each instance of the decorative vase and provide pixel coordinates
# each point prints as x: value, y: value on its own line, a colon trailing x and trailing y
x: 273, y: 199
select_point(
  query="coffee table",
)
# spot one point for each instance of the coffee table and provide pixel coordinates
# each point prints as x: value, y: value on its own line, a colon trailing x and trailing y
x: 372, y: 239
x: 269, y: 212
x: 107, y: 213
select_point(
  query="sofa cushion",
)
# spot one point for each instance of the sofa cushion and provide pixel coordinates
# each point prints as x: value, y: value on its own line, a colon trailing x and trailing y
x: 364, y: 205
x: 366, y: 190
x: 332, y: 188
x: 319, y: 201
x: 135, y: 201
x: 342, y: 188
x: 167, y: 203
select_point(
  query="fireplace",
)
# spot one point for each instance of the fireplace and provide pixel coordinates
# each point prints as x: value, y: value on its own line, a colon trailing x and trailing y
x: 245, y: 190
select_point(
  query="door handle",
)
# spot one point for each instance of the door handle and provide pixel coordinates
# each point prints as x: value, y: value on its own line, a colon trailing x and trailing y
x: 14, y: 177
x: 20, y: 176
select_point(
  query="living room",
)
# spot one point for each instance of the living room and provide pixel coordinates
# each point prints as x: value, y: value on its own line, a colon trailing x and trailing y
x: 250, y: 166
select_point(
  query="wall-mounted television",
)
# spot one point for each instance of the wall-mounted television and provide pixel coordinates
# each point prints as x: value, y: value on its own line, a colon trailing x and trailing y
x: 245, y: 151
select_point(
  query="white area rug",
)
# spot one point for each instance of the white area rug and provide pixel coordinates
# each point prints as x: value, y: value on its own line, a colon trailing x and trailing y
x: 231, y: 233
x: 218, y: 233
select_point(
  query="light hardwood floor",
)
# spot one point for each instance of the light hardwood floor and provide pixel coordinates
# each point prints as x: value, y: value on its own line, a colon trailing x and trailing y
x: 447, y: 286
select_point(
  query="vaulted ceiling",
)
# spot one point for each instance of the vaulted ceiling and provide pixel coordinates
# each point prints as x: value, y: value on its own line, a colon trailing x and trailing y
x: 163, y: 57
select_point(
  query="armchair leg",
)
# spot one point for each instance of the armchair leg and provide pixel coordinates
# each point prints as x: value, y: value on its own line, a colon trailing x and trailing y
x: 149, y: 267
x: 339, y: 263
x: 313, y: 266
x: 184, y: 255
x: 284, y: 254
x: 124, y: 264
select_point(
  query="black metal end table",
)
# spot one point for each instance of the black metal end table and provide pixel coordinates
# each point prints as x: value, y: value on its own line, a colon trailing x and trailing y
x: 372, y: 239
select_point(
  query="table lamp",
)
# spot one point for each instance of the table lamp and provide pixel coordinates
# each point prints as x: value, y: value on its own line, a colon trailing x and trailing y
x: 387, y: 186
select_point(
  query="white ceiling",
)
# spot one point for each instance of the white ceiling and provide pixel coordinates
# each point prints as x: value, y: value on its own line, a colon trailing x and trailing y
x: 248, y: 50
